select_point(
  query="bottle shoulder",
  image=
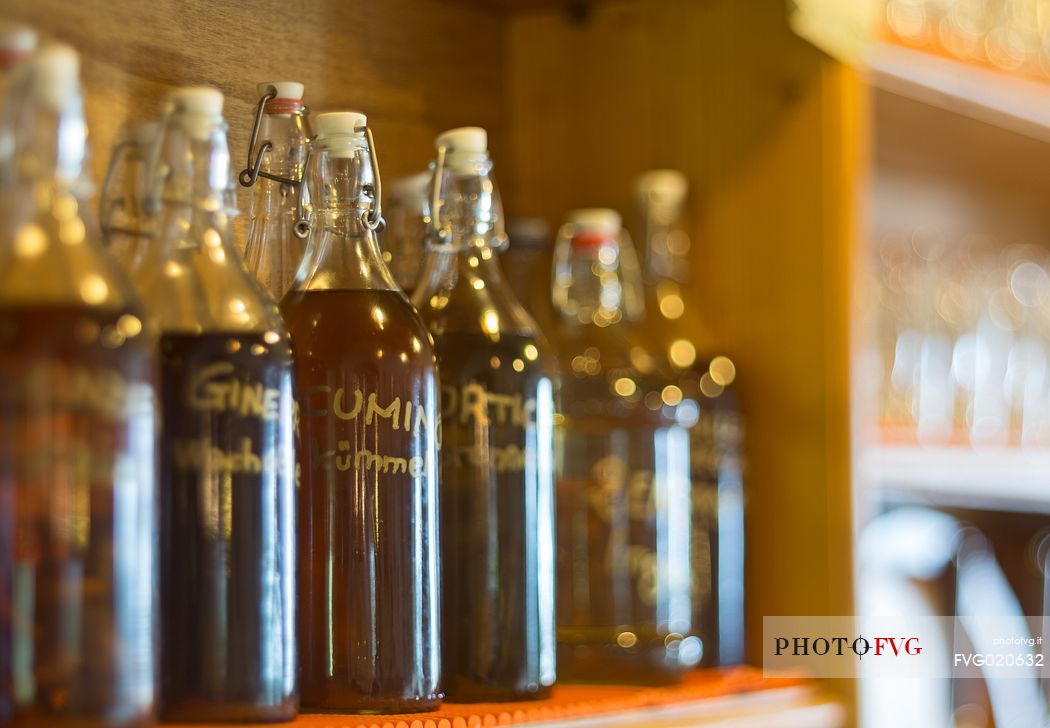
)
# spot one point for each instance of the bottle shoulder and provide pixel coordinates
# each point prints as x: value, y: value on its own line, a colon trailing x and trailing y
x: 196, y: 290
x: 469, y: 303
x: 367, y: 326
x: 53, y: 256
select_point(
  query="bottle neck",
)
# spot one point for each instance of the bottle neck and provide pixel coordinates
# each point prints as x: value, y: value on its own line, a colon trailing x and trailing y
x: 342, y: 251
x: 194, y: 183
x: 288, y: 136
x: 666, y: 242
x: 667, y: 259
x: 44, y: 143
x: 467, y: 212
x: 466, y: 228
x: 588, y: 284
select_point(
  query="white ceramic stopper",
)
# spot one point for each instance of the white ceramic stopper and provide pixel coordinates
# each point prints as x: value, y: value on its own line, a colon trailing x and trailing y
x: 596, y: 220
x: 465, y: 139
x: 285, y: 89
x: 668, y: 185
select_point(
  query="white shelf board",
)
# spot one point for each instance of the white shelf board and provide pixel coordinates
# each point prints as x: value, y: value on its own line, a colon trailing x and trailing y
x: 1017, y: 104
x: 796, y: 707
x: 1012, y: 480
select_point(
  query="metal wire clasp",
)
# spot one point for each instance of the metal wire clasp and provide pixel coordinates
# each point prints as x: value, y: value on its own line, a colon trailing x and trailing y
x: 253, y: 171
x: 442, y: 233
x: 301, y: 228
x: 106, y: 203
x: 372, y: 218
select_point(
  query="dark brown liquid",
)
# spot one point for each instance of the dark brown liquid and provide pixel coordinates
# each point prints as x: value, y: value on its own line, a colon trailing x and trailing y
x: 623, y: 523
x: 77, y: 518
x: 497, y: 518
x: 368, y: 562
x: 227, y: 528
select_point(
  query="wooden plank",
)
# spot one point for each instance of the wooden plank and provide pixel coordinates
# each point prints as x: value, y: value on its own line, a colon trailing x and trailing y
x: 802, y: 707
x: 406, y: 63
x: 1010, y: 480
x: 1014, y: 103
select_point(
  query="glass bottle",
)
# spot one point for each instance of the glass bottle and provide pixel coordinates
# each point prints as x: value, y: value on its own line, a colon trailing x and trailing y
x: 623, y: 464
x: 273, y: 252
x: 77, y: 433
x: 497, y: 448
x: 368, y: 397
x: 127, y: 229
x: 529, y: 256
x: 17, y: 42
x: 227, y: 503
x: 406, y: 229
x: 706, y: 379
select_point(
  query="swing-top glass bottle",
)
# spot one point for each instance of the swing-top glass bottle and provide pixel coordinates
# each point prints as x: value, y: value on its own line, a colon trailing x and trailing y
x: 275, y: 168
x: 497, y: 446
x: 706, y: 381
x: 228, y: 461
x: 623, y: 465
x: 368, y: 395
x: 77, y: 432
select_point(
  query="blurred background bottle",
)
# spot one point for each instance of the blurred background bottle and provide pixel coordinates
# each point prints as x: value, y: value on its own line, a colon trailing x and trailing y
x: 497, y: 449
x: 368, y: 394
x: 960, y: 348
x: 17, y: 42
x: 624, y: 604
x: 527, y: 261
x: 77, y: 432
x: 228, y: 459
x: 272, y: 251
x: 127, y: 227
x: 705, y: 384
x: 406, y: 228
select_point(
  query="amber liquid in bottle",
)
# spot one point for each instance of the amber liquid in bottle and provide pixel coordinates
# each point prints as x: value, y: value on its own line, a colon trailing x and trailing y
x: 227, y: 523
x: 624, y: 605
x: 78, y: 475
x: 623, y: 584
x: 76, y: 517
x: 707, y: 386
x: 368, y: 397
x: 717, y: 551
x: 497, y: 502
x: 368, y: 401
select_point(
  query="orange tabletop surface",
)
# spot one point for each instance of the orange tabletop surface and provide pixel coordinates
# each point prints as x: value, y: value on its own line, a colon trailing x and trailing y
x: 566, y: 703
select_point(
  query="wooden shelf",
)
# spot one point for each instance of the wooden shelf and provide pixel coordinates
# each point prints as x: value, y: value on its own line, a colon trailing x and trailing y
x: 1017, y: 104
x: 1009, y: 480
x: 735, y: 698
x: 784, y: 708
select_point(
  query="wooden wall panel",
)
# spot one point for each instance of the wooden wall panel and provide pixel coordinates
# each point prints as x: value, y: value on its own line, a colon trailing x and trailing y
x: 416, y: 67
x: 766, y: 128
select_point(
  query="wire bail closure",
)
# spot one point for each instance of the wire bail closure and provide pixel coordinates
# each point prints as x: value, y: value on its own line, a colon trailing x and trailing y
x: 372, y: 218
x: 443, y: 232
x: 106, y: 204
x: 250, y: 174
